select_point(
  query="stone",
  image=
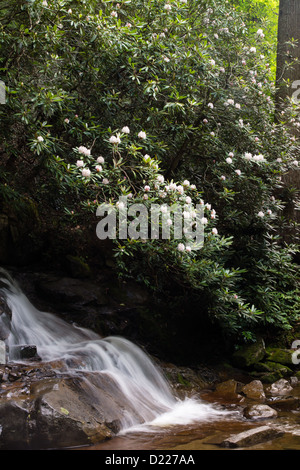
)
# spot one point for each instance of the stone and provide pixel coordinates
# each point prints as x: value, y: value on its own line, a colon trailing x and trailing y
x: 77, y: 267
x: 254, y: 390
x: 280, y: 387
x: 269, y: 366
x: 252, y: 437
x: 248, y: 355
x: 24, y: 352
x: 228, y: 389
x: 60, y: 410
x: 259, y: 411
x: 279, y: 355
x: 294, y: 381
x: 288, y: 403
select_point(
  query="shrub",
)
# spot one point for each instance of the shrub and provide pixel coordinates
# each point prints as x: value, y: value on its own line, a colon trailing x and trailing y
x: 103, y: 98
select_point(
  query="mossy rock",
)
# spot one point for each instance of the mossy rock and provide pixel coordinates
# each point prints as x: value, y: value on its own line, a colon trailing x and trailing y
x: 279, y: 355
x: 267, y: 377
x: 269, y: 366
x: 77, y: 267
x: 249, y: 355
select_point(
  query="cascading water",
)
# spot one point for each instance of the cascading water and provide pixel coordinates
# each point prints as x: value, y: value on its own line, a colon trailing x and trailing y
x: 139, y: 379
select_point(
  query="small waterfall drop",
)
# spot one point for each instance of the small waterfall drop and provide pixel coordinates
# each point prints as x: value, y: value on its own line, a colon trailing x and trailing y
x: 139, y: 379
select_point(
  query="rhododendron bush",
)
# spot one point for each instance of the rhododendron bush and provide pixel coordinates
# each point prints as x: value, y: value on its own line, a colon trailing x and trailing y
x: 160, y: 101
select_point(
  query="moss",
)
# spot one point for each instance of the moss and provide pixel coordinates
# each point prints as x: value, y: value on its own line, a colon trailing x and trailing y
x: 182, y: 380
x: 278, y: 355
x: 269, y: 366
x: 77, y: 267
x: 249, y: 354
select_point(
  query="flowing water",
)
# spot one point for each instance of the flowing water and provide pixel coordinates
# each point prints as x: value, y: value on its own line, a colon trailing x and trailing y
x: 141, y: 382
x: 160, y: 420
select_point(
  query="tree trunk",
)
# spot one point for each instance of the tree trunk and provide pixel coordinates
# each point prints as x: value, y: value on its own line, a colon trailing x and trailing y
x: 288, y: 79
x: 288, y: 55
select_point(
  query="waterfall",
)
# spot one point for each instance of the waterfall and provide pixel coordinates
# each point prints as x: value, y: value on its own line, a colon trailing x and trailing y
x: 139, y: 379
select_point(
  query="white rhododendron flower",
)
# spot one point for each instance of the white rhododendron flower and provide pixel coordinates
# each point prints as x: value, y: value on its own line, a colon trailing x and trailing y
x: 260, y: 33
x: 142, y: 135
x: 84, y: 151
x: 114, y: 139
x: 86, y: 172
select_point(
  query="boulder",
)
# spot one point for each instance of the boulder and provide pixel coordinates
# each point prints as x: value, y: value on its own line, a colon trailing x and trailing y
x: 269, y: 366
x: 25, y: 351
x: 259, y: 411
x: 248, y: 355
x: 280, y: 387
x: 59, y: 411
x: 229, y: 389
x: 254, y: 390
x: 252, y: 437
x: 77, y: 267
x: 279, y: 355
x: 288, y: 403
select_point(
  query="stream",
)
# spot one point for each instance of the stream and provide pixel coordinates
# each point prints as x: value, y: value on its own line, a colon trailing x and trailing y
x: 160, y: 420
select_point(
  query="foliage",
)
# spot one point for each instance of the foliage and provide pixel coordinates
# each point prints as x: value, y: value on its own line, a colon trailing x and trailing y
x: 105, y: 99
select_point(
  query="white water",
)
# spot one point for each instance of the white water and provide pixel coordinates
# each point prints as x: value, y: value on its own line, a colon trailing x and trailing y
x: 136, y: 375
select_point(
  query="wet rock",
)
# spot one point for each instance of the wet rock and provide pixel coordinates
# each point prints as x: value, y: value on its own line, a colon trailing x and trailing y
x: 254, y: 390
x: 24, y: 352
x: 259, y: 411
x: 42, y: 409
x: 294, y: 381
x: 228, y: 392
x: 280, y: 387
x: 248, y: 355
x: 288, y: 403
x: 252, y: 437
x: 184, y: 379
x: 229, y: 387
